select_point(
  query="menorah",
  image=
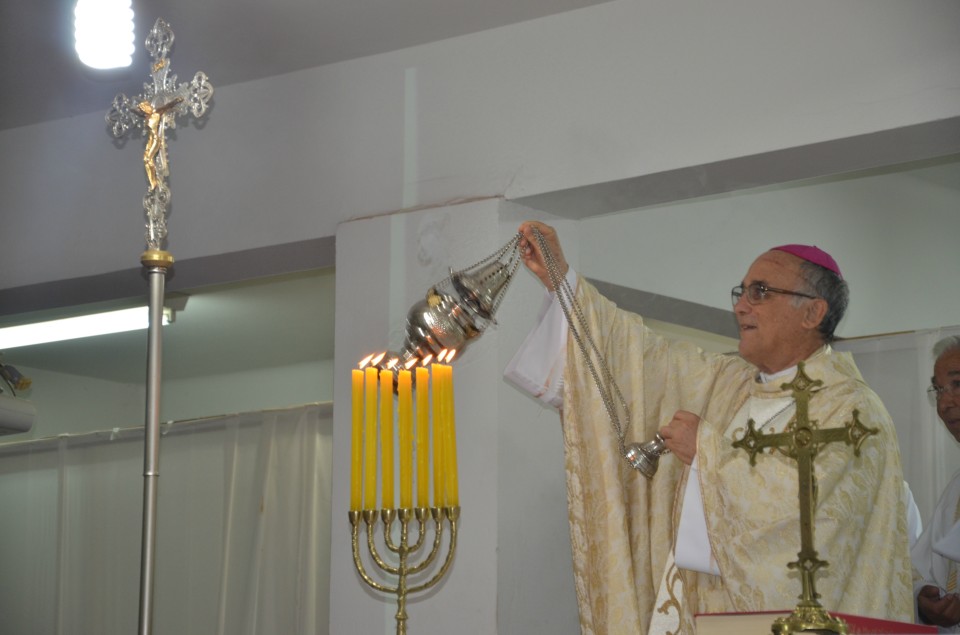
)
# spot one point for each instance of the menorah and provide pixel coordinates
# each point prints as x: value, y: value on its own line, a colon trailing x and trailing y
x: 404, y: 549
x: 373, y: 385
x: 454, y: 312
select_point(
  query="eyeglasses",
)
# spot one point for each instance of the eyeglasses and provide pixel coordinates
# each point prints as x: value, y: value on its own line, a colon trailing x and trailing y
x: 939, y: 392
x: 757, y: 293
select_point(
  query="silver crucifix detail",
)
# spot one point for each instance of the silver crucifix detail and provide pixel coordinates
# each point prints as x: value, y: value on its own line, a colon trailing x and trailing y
x: 152, y: 113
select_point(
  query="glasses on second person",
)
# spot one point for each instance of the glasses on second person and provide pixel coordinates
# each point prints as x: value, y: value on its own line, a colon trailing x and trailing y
x: 757, y: 292
x: 939, y: 392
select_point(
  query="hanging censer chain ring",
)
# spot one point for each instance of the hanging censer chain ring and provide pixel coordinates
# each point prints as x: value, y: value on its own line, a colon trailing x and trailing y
x: 641, y: 456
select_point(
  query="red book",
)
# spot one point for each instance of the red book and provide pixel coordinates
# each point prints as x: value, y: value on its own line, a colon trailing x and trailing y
x: 760, y: 623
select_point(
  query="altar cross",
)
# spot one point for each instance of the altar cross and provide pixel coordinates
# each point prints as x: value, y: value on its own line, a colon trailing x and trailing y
x: 801, y: 440
x: 153, y: 112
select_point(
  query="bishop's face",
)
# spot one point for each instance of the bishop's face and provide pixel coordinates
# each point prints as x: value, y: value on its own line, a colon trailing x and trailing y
x: 946, y: 373
x: 776, y: 333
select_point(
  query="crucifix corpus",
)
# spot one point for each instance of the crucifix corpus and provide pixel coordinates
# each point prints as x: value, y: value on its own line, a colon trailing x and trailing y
x: 153, y: 112
x: 801, y: 441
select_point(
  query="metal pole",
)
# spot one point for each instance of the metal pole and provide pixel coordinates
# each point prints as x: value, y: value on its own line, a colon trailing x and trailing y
x: 157, y: 263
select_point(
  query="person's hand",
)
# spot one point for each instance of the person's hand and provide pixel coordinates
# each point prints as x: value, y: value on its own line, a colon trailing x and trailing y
x: 533, y: 258
x: 942, y: 611
x: 680, y: 435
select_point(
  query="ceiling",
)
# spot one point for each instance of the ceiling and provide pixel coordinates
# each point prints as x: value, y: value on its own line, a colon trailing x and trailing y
x: 232, y: 41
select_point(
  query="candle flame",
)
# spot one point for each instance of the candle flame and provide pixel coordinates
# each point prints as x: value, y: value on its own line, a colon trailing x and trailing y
x: 366, y: 360
x: 411, y: 363
x: 446, y: 355
x: 392, y: 363
x: 376, y: 360
x: 426, y: 360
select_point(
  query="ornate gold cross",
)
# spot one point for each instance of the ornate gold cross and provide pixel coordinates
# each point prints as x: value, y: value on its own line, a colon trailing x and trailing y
x: 801, y: 440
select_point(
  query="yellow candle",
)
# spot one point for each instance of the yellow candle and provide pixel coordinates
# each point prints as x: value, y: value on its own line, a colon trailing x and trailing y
x: 443, y: 420
x: 439, y: 438
x: 450, y: 453
x: 386, y: 438
x: 405, y: 423
x: 356, y: 439
x: 370, y: 438
x: 423, y: 437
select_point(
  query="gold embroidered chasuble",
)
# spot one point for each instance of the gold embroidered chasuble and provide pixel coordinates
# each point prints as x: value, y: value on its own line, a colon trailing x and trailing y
x: 623, y: 525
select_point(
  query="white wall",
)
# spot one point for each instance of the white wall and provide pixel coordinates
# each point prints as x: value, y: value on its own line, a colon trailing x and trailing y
x: 621, y: 89
x: 64, y: 404
x: 894, y: 236
x: 248, y: 391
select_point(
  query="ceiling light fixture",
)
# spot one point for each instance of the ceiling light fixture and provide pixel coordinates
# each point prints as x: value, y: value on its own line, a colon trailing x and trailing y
x: 77, y: 327
x: 104, y: 33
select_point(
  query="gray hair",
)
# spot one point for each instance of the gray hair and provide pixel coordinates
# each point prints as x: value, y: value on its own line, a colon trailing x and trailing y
x: 833, y: 289
x: 946, y: 345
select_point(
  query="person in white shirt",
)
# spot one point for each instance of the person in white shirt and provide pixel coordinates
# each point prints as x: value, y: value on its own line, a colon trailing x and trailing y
x: 936, y: 555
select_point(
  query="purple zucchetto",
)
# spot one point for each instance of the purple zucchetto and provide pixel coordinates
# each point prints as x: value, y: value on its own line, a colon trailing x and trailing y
x: 813, y: 254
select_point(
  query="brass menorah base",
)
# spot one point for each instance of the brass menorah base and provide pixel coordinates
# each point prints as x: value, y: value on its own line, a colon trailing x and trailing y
x: 809, y: 617
x: 404, y: 549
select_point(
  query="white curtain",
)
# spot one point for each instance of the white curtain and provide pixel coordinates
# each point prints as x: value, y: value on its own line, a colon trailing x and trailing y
x: 243, y: 528
x: 898, y: 367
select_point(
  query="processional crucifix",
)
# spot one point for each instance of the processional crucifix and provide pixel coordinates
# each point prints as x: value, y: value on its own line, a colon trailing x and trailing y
x: 154, y: 112
x: 802, y: 440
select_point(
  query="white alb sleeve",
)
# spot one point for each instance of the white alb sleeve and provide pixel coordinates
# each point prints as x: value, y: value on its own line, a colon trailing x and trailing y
x: 537, y: 367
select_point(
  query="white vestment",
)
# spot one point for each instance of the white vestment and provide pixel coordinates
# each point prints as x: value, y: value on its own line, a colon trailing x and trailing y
x: 936, y: 555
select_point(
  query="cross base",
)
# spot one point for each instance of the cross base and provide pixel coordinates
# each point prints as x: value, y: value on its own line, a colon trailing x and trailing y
x: 806, y: 618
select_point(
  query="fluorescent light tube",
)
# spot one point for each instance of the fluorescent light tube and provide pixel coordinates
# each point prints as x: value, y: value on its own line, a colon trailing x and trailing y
x: 77, y: 327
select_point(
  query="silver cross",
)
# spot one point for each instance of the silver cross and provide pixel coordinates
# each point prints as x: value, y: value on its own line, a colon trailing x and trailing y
x: 152, y: 113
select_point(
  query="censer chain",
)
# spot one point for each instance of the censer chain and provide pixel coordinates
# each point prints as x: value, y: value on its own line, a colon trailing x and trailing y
x: 513, y: 262
x: 607, y: 386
